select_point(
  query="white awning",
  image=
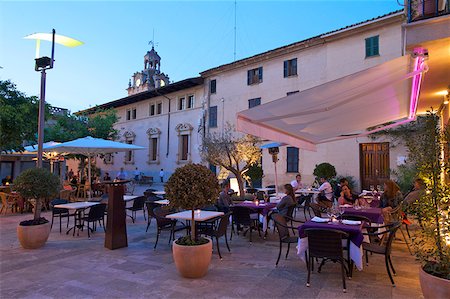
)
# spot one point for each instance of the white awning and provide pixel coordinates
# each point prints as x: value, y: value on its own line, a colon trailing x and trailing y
x: 343, y: 108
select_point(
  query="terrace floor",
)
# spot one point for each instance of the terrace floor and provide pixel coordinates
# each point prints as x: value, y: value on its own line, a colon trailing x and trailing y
x: 78, y: 267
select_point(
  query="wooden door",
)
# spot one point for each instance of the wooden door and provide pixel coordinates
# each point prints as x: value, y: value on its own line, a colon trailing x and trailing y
x: 374, y: 164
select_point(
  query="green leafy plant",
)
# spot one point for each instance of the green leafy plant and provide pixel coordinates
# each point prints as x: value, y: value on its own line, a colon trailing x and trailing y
x: 324, y: 170
x: 37, y: 184
x: 427, y: 142
x: 191, y: 187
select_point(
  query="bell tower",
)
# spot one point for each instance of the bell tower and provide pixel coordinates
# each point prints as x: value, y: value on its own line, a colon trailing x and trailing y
x: 150, y: 77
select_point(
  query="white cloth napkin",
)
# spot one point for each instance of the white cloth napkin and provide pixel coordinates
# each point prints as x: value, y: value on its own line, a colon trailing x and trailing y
x: 319, y: 219
x: 346, y: 206
x: 351, y: 222
x: 247, y: 201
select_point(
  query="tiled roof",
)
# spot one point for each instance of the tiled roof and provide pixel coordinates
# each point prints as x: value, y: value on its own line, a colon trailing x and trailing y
x: 317, y: 37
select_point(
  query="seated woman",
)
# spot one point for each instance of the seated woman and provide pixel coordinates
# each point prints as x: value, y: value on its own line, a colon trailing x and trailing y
x: 287, y: 201
x: 347, y: 197
x: 391, y: 198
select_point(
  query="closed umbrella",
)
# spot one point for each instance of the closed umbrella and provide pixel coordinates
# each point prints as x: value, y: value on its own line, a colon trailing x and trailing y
x: 89, y: 146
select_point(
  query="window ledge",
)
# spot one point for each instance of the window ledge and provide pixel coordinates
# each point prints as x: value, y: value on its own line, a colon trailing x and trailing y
x: 373, y: 56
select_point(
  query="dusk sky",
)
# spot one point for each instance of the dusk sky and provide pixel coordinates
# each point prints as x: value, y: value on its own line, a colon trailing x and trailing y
x: 191, y: 37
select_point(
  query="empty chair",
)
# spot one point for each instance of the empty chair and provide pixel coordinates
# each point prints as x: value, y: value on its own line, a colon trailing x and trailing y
x: 384, y: 247
x: 96, y: 213
x: 60, y: 213
x: 325, y: 244
x: 218, y: 231
x: 138, y: 205
x: 150, y: 214
x: 8, y: 202
x: 164, y: 223
x: 283, y: 233
x: 397, y: 215
x: 241, y: 217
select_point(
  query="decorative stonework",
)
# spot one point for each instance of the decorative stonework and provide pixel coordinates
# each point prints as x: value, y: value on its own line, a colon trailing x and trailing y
x: 151, y: 132
x: 183, y: 128
x: 129, y: 139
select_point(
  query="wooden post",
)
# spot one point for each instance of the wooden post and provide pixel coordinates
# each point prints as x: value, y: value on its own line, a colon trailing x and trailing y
x: 116, y: 227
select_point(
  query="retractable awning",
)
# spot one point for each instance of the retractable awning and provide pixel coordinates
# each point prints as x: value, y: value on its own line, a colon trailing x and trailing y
x: 354, y: 105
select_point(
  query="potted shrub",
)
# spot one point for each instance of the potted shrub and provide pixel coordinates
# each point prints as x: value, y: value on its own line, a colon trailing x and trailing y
x: 38, y: 184
x: 432, y: 242
x: 324, y: 170
x: 191, y: 187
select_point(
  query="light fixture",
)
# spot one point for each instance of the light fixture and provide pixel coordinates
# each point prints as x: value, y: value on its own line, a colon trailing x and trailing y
x: 446, y: 99
x: 42, y: 64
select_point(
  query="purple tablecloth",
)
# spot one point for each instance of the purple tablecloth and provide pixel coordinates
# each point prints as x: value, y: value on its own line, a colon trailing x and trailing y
x: 374, y: 214
x: 354, y: 231
x: 263, y: 208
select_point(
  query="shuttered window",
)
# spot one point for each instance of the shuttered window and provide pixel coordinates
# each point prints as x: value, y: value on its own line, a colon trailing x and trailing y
x: 213, y: 117
x: 255, y: 76
x: 372, y: 46
x: 290, y: 68
x: 254, y: 102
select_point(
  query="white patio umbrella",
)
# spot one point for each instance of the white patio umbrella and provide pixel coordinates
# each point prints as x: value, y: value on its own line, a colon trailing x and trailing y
x: 89, y: 146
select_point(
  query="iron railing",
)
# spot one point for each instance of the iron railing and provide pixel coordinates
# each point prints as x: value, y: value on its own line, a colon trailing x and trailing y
x: 425, y: 9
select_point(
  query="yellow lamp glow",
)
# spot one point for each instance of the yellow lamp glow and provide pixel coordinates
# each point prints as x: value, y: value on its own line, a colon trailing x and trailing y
x: 59, y: 39
x: 442, y: 93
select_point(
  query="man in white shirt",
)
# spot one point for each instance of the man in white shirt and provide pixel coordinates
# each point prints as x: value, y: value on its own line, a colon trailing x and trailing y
x: 297, y: 183
x: 326, y: 194
x: 161, y: 175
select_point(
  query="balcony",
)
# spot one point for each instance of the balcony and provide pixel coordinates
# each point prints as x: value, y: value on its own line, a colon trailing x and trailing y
x: 426, y: 9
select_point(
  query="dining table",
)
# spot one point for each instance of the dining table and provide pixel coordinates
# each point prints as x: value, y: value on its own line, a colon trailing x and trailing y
x: 78, y: 208
x: 374, y: 214
x: 262, y: 208
x: 354, y: 230
x: 199, y: 215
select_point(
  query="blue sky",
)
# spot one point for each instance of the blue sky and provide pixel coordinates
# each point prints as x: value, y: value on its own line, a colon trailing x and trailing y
x: 191, y: 36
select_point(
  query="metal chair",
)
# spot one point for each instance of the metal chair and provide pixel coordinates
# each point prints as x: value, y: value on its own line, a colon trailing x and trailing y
x: 58, y: 212
x: 219, y: 231
x: 325, y: 244
x: 283, y: 233
x: 241, y: 217
x: 384, y: 247
x: 138, y: 205
x: 96, y: 213
x: 164, y: 223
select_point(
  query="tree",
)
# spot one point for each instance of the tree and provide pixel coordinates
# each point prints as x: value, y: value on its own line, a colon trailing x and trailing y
x: 236, y: 154
x: 18, y: 117
x: 69, y: 127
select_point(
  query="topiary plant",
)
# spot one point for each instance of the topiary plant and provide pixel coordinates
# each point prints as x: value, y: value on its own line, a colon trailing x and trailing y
x: 38, y: 184
x: 191, y: 187
x: 324, y: 170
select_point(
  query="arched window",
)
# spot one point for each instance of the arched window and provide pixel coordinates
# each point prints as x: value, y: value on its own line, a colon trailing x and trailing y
x: 129, y: 139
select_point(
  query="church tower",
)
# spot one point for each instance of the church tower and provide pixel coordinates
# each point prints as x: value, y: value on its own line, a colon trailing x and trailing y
x: 150, y: 77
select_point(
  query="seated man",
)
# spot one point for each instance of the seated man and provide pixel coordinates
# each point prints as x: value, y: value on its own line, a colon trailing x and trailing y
x: 417, y: 192
x: 325, y: 198
x: 224, y: 202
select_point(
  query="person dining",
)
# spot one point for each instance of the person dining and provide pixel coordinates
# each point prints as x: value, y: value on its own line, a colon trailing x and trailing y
x: 347, y: 197
x: 325, y: 198
x: 287, y: 201
x: 224, y: 202
x: 417, y: 192
x: 390, y: 199
x: 297, y: 183
x: 106, y: 177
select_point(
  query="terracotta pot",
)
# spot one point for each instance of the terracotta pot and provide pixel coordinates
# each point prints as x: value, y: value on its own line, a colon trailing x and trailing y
x: 434, y: 287
x: 192, y: 261
x: 33, y: 236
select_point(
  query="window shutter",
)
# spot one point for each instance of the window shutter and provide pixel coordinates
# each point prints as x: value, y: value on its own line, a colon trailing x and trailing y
x: 285, y: 68
x: 368, y: 47
x: 260, y: 73
x: 294, y: 66
x: 249, y: 77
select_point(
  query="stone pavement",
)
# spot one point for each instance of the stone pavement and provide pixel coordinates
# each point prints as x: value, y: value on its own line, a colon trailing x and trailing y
x: 78, y: 267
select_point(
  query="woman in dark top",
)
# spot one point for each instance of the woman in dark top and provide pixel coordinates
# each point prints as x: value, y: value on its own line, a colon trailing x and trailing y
x: 347, y: 197
x: 287, y: 201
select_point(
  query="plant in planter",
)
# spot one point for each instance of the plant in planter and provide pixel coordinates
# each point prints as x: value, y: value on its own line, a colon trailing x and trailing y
x: 191, y: 187
x: 432, y: 242
x: 324, y: 170
x: 37, y: 184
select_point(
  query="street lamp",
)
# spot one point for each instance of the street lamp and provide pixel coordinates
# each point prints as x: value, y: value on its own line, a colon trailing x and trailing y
x: 42, y: 64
